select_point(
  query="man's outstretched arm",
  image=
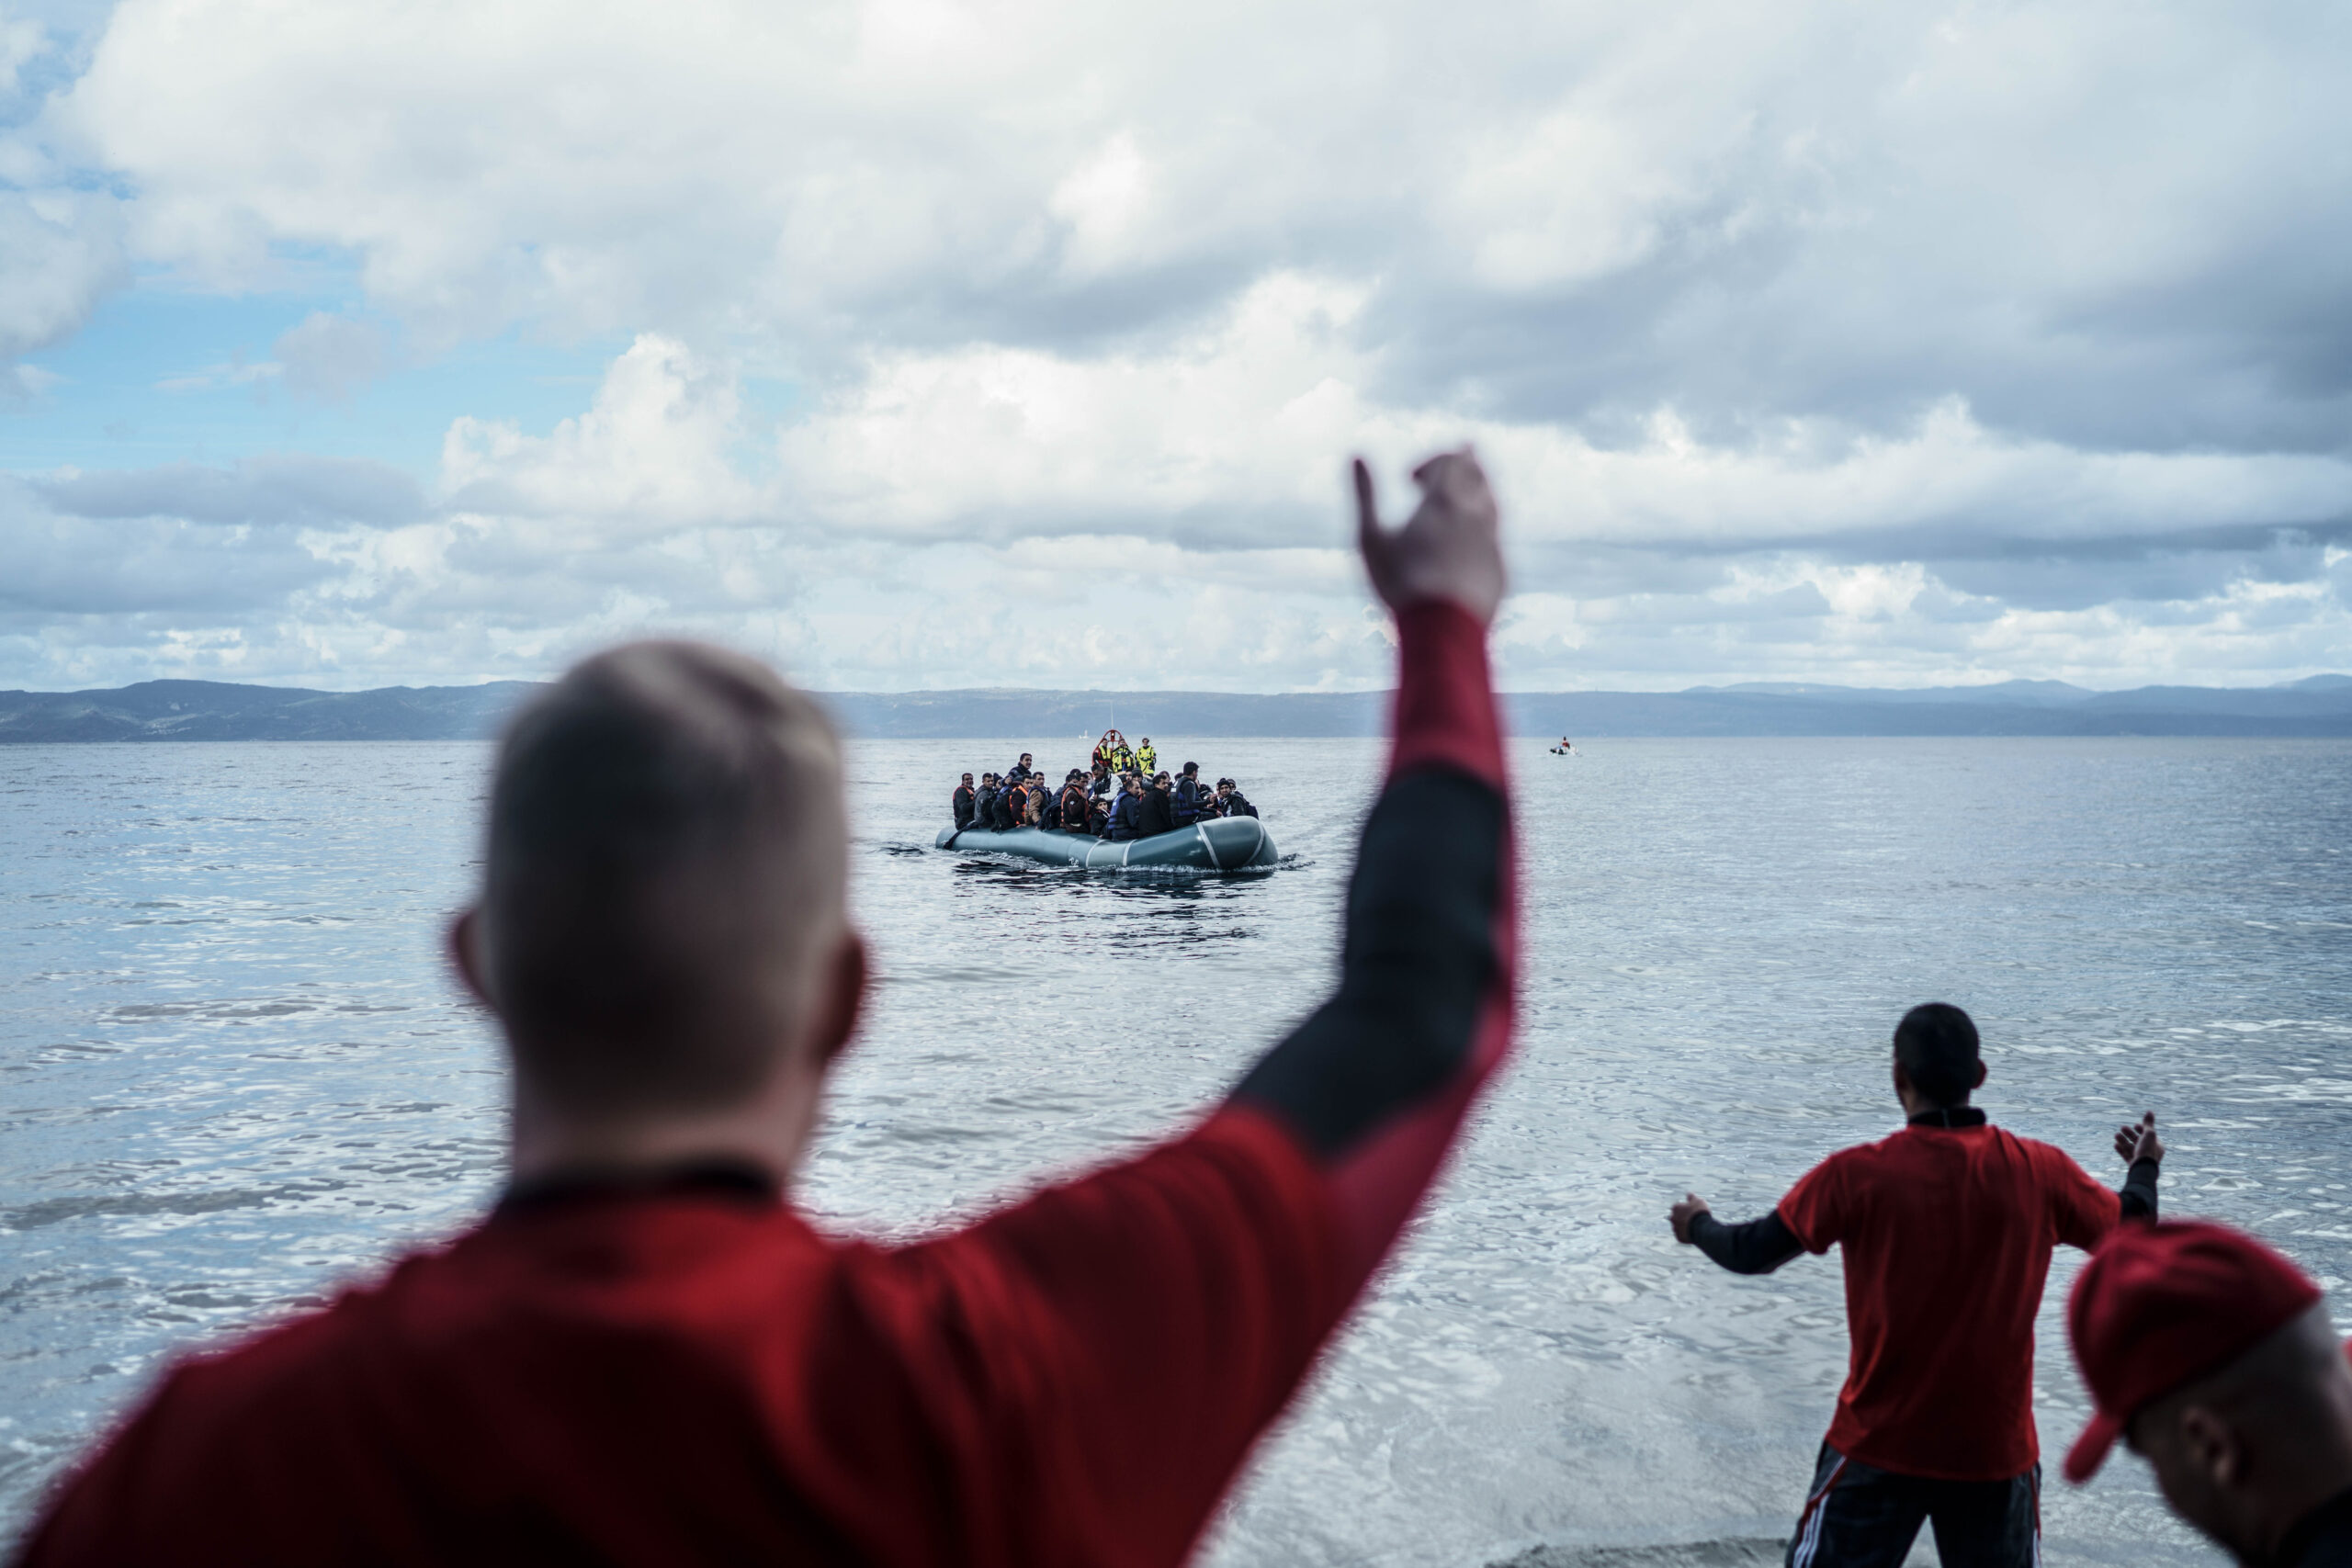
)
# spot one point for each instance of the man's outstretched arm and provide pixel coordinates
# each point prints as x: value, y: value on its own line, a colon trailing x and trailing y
x: 1757, y: 1246
x: 1131, y: 1334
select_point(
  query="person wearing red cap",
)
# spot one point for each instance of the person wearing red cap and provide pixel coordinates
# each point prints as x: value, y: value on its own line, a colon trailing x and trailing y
x: 2215, y: 1359
x: 1946, y: 1229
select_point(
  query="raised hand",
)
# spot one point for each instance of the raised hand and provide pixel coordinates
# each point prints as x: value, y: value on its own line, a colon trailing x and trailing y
x: 1448, y: 549
x: 2138, y: 1139
x: 1682, y: 1213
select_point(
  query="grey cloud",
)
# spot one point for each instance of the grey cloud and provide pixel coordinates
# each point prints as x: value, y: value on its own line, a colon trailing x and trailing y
x: 2140, y: 571
x: 59, y: 255
x: 269, y: 492
x: 53, y: 563
x: 1938, y: 606
x: 329, y: 357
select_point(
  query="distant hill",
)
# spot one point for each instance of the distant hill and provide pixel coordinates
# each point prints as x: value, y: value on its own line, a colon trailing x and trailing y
x: 213, y: 710
x: 219, y: 710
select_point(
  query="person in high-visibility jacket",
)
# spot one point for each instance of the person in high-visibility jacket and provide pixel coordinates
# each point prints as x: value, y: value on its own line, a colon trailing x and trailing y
x: 1146, y: 758
x: 1123, y: 761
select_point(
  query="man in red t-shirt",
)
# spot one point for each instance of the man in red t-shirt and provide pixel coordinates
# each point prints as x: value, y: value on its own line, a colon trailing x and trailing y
x: 1947, y: 1227
x: 645, y: 1355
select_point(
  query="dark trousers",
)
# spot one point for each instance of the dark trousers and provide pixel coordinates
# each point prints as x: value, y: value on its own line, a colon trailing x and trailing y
x: 1857, y: 1515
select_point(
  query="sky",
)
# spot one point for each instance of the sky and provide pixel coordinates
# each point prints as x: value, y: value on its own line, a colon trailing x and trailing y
x: 914, y: 344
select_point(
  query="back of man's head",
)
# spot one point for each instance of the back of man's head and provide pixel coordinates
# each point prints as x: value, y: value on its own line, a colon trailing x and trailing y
x: 2216, y: 1358
x: 667, y: 866
x: 1936, y: 1044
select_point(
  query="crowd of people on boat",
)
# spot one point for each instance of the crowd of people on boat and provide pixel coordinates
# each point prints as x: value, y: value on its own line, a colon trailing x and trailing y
x: 1119, y: 796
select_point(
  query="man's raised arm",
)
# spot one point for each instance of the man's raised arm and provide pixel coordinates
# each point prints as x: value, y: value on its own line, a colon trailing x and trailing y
x: 1376, y: 1083
x: 1126, y: 1337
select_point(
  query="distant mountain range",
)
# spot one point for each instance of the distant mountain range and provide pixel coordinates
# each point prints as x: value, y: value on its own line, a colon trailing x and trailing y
x: 212, y: 710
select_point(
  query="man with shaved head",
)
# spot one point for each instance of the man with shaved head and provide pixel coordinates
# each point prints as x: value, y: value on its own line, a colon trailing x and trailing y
x: 2216, y: 1359
x: 646, y: 1354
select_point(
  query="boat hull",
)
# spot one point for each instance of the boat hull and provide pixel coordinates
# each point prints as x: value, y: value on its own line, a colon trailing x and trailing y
x: 1227, y: 846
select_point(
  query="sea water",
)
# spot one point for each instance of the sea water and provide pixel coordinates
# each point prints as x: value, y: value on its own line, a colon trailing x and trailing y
x: 234, y: 1073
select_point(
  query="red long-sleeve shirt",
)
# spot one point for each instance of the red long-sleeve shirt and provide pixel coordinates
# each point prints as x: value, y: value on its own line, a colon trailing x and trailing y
x: 684, y: 1370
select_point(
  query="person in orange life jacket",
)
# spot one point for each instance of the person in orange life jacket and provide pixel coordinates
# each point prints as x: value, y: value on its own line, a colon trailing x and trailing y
x: 2217, y: 1360
x: 1072, y: 805
x: 1946, y: 1229
x: 1189, y: 802
x: 1154, y: 815
x: 960, y: 803
x: 1104, y: 750
x: 1126, y: 813
x: 1009, y: 800
x: 1231, y: 802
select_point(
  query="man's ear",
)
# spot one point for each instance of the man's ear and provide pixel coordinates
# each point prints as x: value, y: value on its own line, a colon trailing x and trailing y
x: 466, y: 955
x: 1903, y: 1089
x: 2211, y: 1445
x: 843, y: 1002
x: 1978, y: 1082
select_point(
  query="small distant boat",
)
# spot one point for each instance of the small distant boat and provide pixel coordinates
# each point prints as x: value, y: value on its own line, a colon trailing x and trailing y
x: 1229, y: 846
x: 1566, y: 747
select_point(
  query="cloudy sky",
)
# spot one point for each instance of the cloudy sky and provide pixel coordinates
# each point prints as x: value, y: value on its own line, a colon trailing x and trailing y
x: 916, y: 344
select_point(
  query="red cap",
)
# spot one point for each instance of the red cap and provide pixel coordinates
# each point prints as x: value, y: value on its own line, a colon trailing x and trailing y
x: 2161, y: 1305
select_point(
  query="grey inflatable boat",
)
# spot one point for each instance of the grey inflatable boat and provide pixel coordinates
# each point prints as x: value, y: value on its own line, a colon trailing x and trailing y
x: 1224, y: 845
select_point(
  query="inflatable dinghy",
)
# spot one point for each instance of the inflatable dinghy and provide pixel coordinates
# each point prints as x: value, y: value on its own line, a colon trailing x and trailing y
x: 1226, y: 844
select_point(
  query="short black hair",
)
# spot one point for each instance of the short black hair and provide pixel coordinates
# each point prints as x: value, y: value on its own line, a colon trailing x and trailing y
x: 1936, y: 1044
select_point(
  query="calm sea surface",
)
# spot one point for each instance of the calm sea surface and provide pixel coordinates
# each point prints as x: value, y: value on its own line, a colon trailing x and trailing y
x: 233, y: 1073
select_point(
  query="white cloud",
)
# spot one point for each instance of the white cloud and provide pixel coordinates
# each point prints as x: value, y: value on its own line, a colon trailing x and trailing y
x: 60, y: 242
x: 21, y: 42
x: 228, y: 373
x: 58, y: 254
x: 2108, y: 224
x: 653, y: 453
x: 329, y: 357
x: 1006, y: 517
x: 1904, y: 342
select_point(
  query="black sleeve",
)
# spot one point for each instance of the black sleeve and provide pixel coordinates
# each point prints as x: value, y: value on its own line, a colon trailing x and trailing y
x: 1756, y: 1248
x: 2140, y: 1191
x: 1418, y: 956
